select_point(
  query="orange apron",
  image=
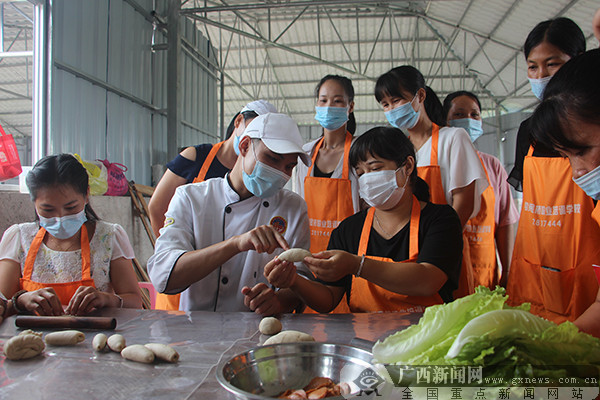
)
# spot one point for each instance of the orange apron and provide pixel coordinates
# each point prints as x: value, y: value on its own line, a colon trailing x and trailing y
x: 480, y: 233
x: 556, y: 244
x: 329, y: 201
x: 596, y: 213
x: 171, y: 301
x: 368, y: 297
x: 432, y: 175
x: 64, y: 290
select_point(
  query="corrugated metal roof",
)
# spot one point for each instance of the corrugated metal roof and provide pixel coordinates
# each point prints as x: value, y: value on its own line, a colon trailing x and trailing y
x: 473, y: 45
x: 280, y: 49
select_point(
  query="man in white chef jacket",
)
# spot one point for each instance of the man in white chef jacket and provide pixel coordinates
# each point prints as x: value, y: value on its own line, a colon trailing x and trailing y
x: 220, y: 234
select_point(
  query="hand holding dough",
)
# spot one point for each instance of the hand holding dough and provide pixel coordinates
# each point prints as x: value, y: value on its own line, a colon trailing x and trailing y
x: 64, y: 338
x: 23, y: 346
x: 139, y: 353
x: 269, y: 326
x: 294, y: 255
x: 289, y: 337
x: 163, y: 352
x: 116, y: 342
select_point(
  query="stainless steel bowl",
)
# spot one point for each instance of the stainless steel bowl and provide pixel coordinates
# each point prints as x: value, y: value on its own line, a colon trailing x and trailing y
x: 265, y: 372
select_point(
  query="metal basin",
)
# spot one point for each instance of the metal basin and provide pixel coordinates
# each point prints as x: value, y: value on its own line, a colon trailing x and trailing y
x: 265, y: 372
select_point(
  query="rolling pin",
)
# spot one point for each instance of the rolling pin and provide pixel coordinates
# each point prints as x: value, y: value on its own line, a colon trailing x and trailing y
x: 31, y: 321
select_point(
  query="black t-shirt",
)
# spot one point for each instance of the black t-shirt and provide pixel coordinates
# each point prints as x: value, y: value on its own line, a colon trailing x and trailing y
x: 524, y: 140
x: 189, y: 169
x: 440, y: 243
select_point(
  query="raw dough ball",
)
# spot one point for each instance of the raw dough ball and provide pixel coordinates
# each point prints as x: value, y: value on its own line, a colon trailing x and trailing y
x: 294, y: 255
x: 30, y: 332
x: 289, y: 337
x: 269, y: 326
x: 163, y: 352
x: 24, y: 346
x: 139, y: 353
x: 99, y: 342
x: 116, y: 342
x: 64, y: 338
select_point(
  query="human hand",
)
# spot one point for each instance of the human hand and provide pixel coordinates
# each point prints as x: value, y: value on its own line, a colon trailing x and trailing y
x: 263, y: 239
x: 42, y: 302
x: 261, y: 299
x: 279, y: 273
x: 86, y: 299
x: 332, y: 265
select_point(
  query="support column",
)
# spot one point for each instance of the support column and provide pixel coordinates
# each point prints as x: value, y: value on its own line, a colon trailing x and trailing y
x: 173, y: 79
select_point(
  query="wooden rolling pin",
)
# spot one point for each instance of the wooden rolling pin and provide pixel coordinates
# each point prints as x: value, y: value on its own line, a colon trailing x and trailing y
x: 31, y: 321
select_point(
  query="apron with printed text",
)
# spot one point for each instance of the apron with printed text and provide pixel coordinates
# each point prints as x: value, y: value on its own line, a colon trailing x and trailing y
x: 368, y: 297
x: 480, y: 233
x: 171, y: 301
x: 64, y: 290
x: 432, y: 175
x: 556, y: 244
x: 329, y: 201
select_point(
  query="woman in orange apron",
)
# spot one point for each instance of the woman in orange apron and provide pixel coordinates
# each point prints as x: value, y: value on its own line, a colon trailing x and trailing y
x: 70, y: 258
x: 557, y: 240
x: 493, y: 227
x: 401, y: 254
x: 329, y: 186
x: 446, y: 158
x: 568, y: 120
x: 195, y: 164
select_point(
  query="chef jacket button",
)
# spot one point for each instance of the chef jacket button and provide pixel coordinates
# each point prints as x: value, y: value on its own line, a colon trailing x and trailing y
x: 227, y: 209
x: 224, y: 280
x: 266, y: 203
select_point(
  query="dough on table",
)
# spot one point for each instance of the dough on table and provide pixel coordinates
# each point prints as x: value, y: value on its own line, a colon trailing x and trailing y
x: 269, y: 326
x: 23, y: 346
x: 289, y: 337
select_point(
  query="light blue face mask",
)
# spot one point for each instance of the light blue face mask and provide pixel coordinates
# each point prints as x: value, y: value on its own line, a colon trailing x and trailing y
x: 236, y: 141
x: 331, y: 118
x: 590, y: 183
x: 264, y: 181
x: 403, y: 117
x: 539, y: 85
x: 63, y: 227
x: 472, y: 126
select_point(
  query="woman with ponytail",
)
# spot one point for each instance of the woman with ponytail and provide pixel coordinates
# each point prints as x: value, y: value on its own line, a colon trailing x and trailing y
x: 67, y: 258
x: 401, y: 254
x: 446, y: 158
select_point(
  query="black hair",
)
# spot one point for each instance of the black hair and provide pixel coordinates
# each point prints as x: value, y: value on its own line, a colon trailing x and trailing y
x: 57, y: 170
x: 348, y: 89
x: 231, y: 127
x: 448, y: 102
x: 560, y: 32
x: 409, y: 79
x: 571, y: 95
x: 391, y: 144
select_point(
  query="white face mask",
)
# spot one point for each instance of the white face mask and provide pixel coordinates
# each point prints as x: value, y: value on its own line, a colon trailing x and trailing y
x: 380, y: 189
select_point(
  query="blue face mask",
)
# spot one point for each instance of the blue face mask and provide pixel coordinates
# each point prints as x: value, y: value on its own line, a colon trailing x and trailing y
x: 403, y: 117
x: 264, y: 181
x: 63, y: 227
x: 472, y: 126
x: 539, y: 85
x: 236, y: 141
x: 331, y: 118
x: 590, y: 183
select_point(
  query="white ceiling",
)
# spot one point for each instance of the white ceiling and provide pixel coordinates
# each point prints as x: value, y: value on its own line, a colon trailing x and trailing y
x: 279, y: 50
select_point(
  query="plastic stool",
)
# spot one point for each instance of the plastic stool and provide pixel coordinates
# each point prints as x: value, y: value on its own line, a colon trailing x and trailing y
x: 151, y: 292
